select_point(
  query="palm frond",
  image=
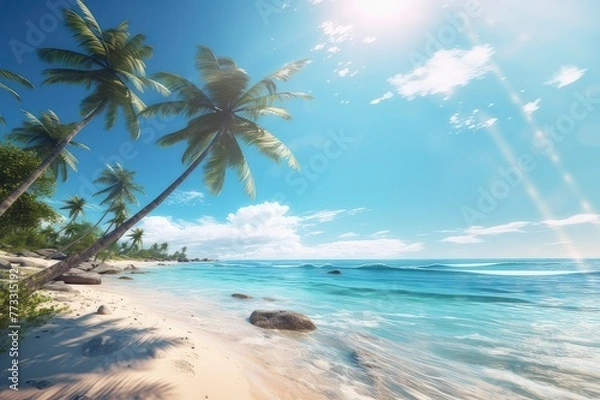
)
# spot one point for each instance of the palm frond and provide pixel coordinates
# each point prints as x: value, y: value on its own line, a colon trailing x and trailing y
x: 268, y: 86
x: 68, y: 58
x: 215, y: 167
x: 10, y: 90
x: 267, y: 143
x: 237, y: 161
x: 13, y: 76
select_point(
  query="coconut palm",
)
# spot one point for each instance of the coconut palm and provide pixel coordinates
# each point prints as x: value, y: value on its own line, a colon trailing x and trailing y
x: 110, y: 62
x: 12, y: 76
x: 136, y: 239
x: 76, y: 207
x: 120, y: 215
x: 221, y: 114
x: 119, y: 187
x: 43, y: 135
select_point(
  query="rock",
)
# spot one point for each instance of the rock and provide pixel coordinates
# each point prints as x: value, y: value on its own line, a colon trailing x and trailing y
x: 5, y: 264
x: 161, y: 264
x: 104, y: 268
x: 268, y: 299
x: 126, y: 278
x: 41, y: 385
x: 22, y: 262
x: 101, y: 346
x: 103, y: 310
x: 80, y: 278
x: 27, y: 253
x: 51, y: 253
x: 138, y: 272
x: 130, y: 267
x: 59, y: 286
x: 241, y: 296
x: 286, y: 320
x: 335, y: 272
x: 86, y: 266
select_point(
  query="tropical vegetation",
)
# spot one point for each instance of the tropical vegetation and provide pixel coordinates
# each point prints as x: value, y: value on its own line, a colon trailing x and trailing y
x: 221, y: 119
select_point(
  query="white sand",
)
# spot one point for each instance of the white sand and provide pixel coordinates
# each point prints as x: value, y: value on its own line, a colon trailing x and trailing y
x: 158, y: 357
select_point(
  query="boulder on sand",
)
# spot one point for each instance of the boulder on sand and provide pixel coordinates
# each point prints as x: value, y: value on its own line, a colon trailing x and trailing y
x: 79, y: 277
x: 86, y: 266
x: 27, y: 253
x: 286, y: 320
x: 104, y: 268
x: 59, y: 286
x: 241, y: 296
x: 51, y: 253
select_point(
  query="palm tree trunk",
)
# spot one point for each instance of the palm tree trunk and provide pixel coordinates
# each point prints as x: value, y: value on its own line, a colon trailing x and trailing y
x: 85, y: 233
x: 38, y: 280
x: 22, y: 188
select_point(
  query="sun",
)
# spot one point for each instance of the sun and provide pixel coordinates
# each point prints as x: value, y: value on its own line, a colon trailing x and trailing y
x: 383, y: 14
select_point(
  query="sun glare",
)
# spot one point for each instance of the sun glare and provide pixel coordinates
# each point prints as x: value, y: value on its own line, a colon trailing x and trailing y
x: 384, y: 14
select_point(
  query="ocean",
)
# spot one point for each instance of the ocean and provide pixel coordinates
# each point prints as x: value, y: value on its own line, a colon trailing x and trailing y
x: 409, y: 329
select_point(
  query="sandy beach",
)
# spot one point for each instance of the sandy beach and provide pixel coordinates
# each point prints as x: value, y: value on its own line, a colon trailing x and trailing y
x: 129, y: 353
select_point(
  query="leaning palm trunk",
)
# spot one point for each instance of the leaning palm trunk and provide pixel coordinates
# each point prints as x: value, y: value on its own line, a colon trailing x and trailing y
x: 38, y: 280
x: 80, y: 238
x: 8, y: 201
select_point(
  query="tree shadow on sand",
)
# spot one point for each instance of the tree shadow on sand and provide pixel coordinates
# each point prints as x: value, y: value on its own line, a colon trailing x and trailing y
x: 84, y: 357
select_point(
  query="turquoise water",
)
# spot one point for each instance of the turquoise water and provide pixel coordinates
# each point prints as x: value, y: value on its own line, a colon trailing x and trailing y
x: 405, y: 329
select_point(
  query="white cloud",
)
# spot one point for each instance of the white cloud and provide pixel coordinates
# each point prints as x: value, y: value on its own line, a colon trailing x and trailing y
x: 574, y: 220
x: 531, y: 107
x: 386, y: 96
x: 348, y: 235
x: 343, y: 72
x: 369, y: 39
x: 189, y: 197
x: 566, y: 75
x: 355, y: 211
x: 444, y: 72
x: 497, y: 230
x: 462, y: 239
x: 324, y: 216
x: 473, y: 233
x: 266, y: 230
x: 474, y: 122
x: 381, y: 233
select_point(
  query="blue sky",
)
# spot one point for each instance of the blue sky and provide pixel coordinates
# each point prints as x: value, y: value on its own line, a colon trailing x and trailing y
x: 437, y: 129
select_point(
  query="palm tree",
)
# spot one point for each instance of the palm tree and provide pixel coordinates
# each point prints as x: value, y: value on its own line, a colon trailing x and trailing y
x: 110, y: 63
x: 136, y: 239
x: 42, y: 136
x: 119, y: 188
x: 222, y: 113
x: 12, y: 76
x: 76, y: 206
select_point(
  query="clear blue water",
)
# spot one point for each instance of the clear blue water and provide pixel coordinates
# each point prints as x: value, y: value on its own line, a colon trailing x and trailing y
x: 405, y: 329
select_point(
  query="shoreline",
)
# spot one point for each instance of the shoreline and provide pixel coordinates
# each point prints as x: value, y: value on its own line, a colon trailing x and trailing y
x: 149, y: 355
